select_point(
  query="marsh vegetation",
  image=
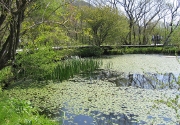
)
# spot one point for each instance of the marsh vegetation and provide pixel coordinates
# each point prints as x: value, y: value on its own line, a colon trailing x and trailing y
x: 127, y: 89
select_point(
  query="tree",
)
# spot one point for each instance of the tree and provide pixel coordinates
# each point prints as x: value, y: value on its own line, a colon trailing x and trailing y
x: 101, y: 21
x: 48, y: 24
x: 174, y: 20
x: 140, y: 14
x: 153, y: 11
x: 12, y: 13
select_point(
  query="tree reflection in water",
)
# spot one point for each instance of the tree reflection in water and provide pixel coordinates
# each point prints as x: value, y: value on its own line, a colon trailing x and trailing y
x: 154, y: 81
x: 146, y: 80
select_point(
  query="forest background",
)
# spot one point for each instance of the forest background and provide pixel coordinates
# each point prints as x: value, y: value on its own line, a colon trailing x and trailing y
x: 75, y: 22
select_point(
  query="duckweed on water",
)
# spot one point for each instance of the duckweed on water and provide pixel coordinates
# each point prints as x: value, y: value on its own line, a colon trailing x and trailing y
x: 83, y: 98
x: 140, y: 63
x: 99, y: 99
x: 104, y: 97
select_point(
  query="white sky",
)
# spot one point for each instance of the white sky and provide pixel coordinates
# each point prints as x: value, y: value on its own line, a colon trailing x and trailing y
x: 175, y: 2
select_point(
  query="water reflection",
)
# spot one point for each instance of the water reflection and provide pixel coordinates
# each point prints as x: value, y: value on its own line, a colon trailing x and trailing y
x: 146, y: 80
x: 98, y: 118
x: 121, y: 79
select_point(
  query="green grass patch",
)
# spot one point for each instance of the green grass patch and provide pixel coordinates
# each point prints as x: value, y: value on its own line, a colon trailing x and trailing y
x: 19, y: 112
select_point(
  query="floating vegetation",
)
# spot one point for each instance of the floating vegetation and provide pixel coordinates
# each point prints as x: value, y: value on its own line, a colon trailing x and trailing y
x: 106, y: 102
x: 103, y: 100
x: 97, y: 98
x: 142, y: 63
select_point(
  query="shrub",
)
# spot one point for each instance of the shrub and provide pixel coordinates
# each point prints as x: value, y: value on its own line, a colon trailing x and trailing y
x: 5, y: 77
x: 93, y: 51
x: 37, y: 64
x: 41, y: 65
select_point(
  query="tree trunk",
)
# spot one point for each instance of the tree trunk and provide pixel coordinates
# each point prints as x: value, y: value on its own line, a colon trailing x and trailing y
x: 9, y: 46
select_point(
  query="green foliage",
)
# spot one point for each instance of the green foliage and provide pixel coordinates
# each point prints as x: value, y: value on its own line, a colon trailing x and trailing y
x: 175, y: 37
x: 45, y: 26
x: 40, y: 64
x: 5, y: 76
x: 18, y: 112
x: 35, y: 64
x: 145, y: 50
x: 69, y: 68
x: 104, y: 24
x: 90, y: 51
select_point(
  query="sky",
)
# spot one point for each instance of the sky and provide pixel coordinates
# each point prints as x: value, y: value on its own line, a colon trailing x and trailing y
x: 168, y: 16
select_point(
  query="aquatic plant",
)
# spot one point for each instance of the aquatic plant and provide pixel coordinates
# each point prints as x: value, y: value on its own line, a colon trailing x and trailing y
x: 173, y: 103
x: 71, y: 67
x: 103, y: 99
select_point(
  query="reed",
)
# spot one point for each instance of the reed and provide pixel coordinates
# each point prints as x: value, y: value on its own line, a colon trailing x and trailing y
x: 69, y: 68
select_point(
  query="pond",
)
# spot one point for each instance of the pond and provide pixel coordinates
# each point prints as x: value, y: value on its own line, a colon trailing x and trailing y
x: 140, y: 63
x: 127, y: 90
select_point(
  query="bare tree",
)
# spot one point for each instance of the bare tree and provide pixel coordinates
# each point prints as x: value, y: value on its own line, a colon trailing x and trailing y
x: 11, y: 16
x: 173, y: 17
x: 129, y: 7
x: 153, y: 11
x: 140, y: 14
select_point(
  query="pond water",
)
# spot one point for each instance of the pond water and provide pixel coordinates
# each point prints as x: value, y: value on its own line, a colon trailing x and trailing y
x: 127, y: 90
x: 140, y: 63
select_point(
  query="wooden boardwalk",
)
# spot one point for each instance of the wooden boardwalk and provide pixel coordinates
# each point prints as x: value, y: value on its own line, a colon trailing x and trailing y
x: 108, y: 46
x: 103, y: 46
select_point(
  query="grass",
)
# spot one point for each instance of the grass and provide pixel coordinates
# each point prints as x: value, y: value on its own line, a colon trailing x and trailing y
x: 19, y: 112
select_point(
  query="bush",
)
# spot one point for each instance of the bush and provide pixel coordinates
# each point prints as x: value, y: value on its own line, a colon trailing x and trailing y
x: 5, y: 77
x: 41, y: 65
x: 145, y: 50
x: 37, y: 64
x: 93, y: 51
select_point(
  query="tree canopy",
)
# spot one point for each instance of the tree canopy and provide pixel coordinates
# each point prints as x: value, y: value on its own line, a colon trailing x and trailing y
x: 103, y: 24
x: 70, y: 22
